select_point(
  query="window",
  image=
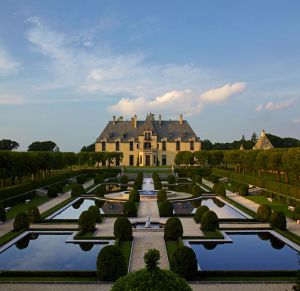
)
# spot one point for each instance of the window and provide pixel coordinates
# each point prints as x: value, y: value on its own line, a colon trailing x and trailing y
x: 137, y: 145
x: 164, y: 160
x: 147, y: 135
x: 131, y: 160
x: 191, y: 145
x: 117, y: 146
x: 154, y: 160
x: 131, y: 145
x: 103, y: 146
x: 147, y: 145
x: 164, y: 145
x: 141, y: 159
x: 177, y: 145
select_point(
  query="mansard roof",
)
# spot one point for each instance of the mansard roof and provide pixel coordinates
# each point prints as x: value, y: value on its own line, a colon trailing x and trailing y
x: 125, y: 130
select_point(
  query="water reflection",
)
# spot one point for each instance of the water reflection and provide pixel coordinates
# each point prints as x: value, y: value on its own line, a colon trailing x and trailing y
x: 23, y: 242
x: 86, y: 246
x: 77, y: 204
x: 210, y: 245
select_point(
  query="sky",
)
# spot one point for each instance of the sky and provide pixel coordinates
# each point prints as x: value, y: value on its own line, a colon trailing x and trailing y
x: 66, y: 67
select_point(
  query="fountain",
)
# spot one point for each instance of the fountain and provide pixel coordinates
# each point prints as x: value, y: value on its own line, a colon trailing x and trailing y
x: 148, y: 222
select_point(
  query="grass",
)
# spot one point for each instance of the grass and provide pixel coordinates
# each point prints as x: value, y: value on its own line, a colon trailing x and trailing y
x: 125, y: 246
x: 241, y: 207
x: 57, y: 207
x: 172, y: 246
x: 22, y: 207
x: 216, y: 234
x: 290, y: 235
x: 9, y: 236
x: 68, y: 187
x: 259, y: 199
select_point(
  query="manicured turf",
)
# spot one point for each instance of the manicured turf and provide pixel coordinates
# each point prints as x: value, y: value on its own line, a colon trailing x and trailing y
x: 125, y: 246
x: 212, y: 234
x: 22, y: 207
x: 9, y: 236
x: 172, y: 246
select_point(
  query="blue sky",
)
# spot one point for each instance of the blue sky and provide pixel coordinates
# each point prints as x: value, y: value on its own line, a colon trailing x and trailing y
x: 66, y: 67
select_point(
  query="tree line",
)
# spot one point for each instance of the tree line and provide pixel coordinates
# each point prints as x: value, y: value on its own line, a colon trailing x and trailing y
x: 20, y: 165
x: 276, y: 161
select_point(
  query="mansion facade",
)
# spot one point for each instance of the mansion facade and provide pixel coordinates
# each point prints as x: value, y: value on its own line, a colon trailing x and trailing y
x: 148, y: 142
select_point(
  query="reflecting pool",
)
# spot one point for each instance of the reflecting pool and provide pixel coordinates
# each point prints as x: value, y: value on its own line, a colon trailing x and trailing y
x: 248, y: 251
x: 45, y: 251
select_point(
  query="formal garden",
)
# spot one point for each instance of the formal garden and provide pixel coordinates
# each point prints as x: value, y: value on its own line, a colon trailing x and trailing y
x: 71, y: 221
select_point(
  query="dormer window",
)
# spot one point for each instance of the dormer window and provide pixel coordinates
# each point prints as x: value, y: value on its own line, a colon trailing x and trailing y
x: 111, y: 135
x: 171, y: 134
x: 147, y: 136
x: 103, y: 146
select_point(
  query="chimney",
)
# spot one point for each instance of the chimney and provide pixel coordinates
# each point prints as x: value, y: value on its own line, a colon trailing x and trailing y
x: 120, y: 118
x: 180, y: 119
x: 114, y: 120
x: 159, y: 120
x: 134, y: 121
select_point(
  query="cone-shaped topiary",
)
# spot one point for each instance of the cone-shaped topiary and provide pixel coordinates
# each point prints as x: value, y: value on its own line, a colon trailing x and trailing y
x: 244, y: 190
x: 165, y: 209
x: 2, y: 214
x: 96, y: 213
x: 263, y: 212
x: 98, y: 179
x: 34, y: 214
x: 162, y: 195
x: 171, y: 179
x: 134, y: 195
x: 111, y: 263
x: 278, y: 220
x: 197, y: 179
x: 199, y: 213
x: 129, y: 209
x: 196, y: 191
x: 124, y: 179
x: 209, y: 221
x: 21, y: 221
x: 151, y: 259
x: 77, y: 190
x: 184, y: 263
x: 173, y: 229
x: 100, y: 191
x: 221, y: 190
x: 123, y: 228
x: 86, y: 222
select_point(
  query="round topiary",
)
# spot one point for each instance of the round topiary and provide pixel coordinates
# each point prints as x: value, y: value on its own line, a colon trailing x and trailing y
x: 151, y: 259
x: 263, y: 212
x: 184, y: 263
x: 134, y: 195
x: 197, y: 179
x: 196, y: 191
x: 244, y: 190
x: 98, y: 179
x: 221, y: 190
x: 278, y: 220
x: 77, y: 190
x: 124, y: 179
x: 162, y: 195
x: 100, y: 191
x: 81, y: 179
x: 129, y: 209
x: 173, y: 229
x: 95, y: 211
x: 86, y: 222
x: 165, y: 209
x: 21, y: 221
x: 209, y: 221
x: 215, y: 186
x: 111, y: 263
x: 123, y: 228
x: 157, y: 185
x: 199, y: 213
x: 52, y: 191
x: 171, y: 179
x: 34, y: 214
x: 2, y: 214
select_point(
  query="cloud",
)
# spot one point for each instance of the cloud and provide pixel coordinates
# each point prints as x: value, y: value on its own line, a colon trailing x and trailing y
x: 188, y: 102
x: 11, y: 100
x: 271, y: 106
x: 7, y: 64
x: 297, y: 120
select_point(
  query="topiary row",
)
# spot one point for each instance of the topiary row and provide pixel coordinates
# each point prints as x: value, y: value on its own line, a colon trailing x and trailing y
x: 276, y: 219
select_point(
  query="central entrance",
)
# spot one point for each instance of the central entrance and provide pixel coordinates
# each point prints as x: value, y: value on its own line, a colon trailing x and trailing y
x: 148, y: 160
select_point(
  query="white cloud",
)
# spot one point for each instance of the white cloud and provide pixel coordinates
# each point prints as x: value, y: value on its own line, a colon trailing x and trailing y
x: 188, y: 102
x: 272, y: 106
x: 7, y: 64
x: 11, y: 99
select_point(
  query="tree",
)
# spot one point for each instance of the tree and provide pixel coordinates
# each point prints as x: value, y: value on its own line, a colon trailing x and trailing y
x: 43, y: 146
x: 34, y: 214
x: 209, y: 221
x: 89, y: 148
x: 21, y: 221
x: 151, y: 259
x: 8, y: 145
x: 86, y: 222
x: 173, y: 229
x: 199, y: 213
x: 278, y: 220
x: 254, y: 138
x: 263, y: 212
x: 123, y: 228
x: 165, y: 208
x: 129, y: 209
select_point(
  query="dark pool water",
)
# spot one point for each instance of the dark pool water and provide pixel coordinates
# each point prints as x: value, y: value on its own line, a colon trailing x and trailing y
x: 50, y: 252
x: 220, y: 208
x: 249, y: 251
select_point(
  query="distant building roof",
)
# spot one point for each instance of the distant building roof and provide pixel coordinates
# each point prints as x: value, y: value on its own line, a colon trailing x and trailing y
x: 242, y: 147
x: 263, y: 142
x: 128, y: 130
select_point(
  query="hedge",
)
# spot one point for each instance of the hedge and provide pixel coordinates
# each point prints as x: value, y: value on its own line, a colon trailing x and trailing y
x: 190, y: 172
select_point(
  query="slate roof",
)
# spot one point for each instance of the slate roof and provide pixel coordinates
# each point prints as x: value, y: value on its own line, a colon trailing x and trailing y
x: 263, y: 142
x: 170, y: 129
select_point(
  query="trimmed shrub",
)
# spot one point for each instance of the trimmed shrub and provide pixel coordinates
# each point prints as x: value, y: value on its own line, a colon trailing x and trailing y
x: 151, y: 259
x: 21, y: 221
x: 98, y: 179
x: 81, y: 179
x: 111, y: 263
x: 34, y: 214
x: 221, y: 190
x: 157, y: 185
x: 2, y: 214
x: 196, y: 191
x: 244, y: 190
x: 197, y: 179
x: 278, y: 220
x: 77, y: 190
x: 263, y: 212
x: 199, y: 213
x: 165, y: 209
x: 100, y: 191
x: 123, y: 228
x: 184, y: 263
x: 129, y: 209
x: 209, y: 221
x: 213, y: 178
x: 134, y: 195
x: 171, y: 179
x: 162, y: 195
x: 52, y: 191
x: 173, y: 229
x: 95, y: 211
x: 86, y: 222
x: 296, y: 213
x: 124, y: 179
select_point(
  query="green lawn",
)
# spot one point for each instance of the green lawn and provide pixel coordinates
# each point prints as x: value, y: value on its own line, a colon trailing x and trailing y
x: 22, y: 207
x: 68, y: 187
x: 125, y: 246
x: 259, y: 199
x: 9, y: 236
x: 172, y: 246
x: 212, y: 234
